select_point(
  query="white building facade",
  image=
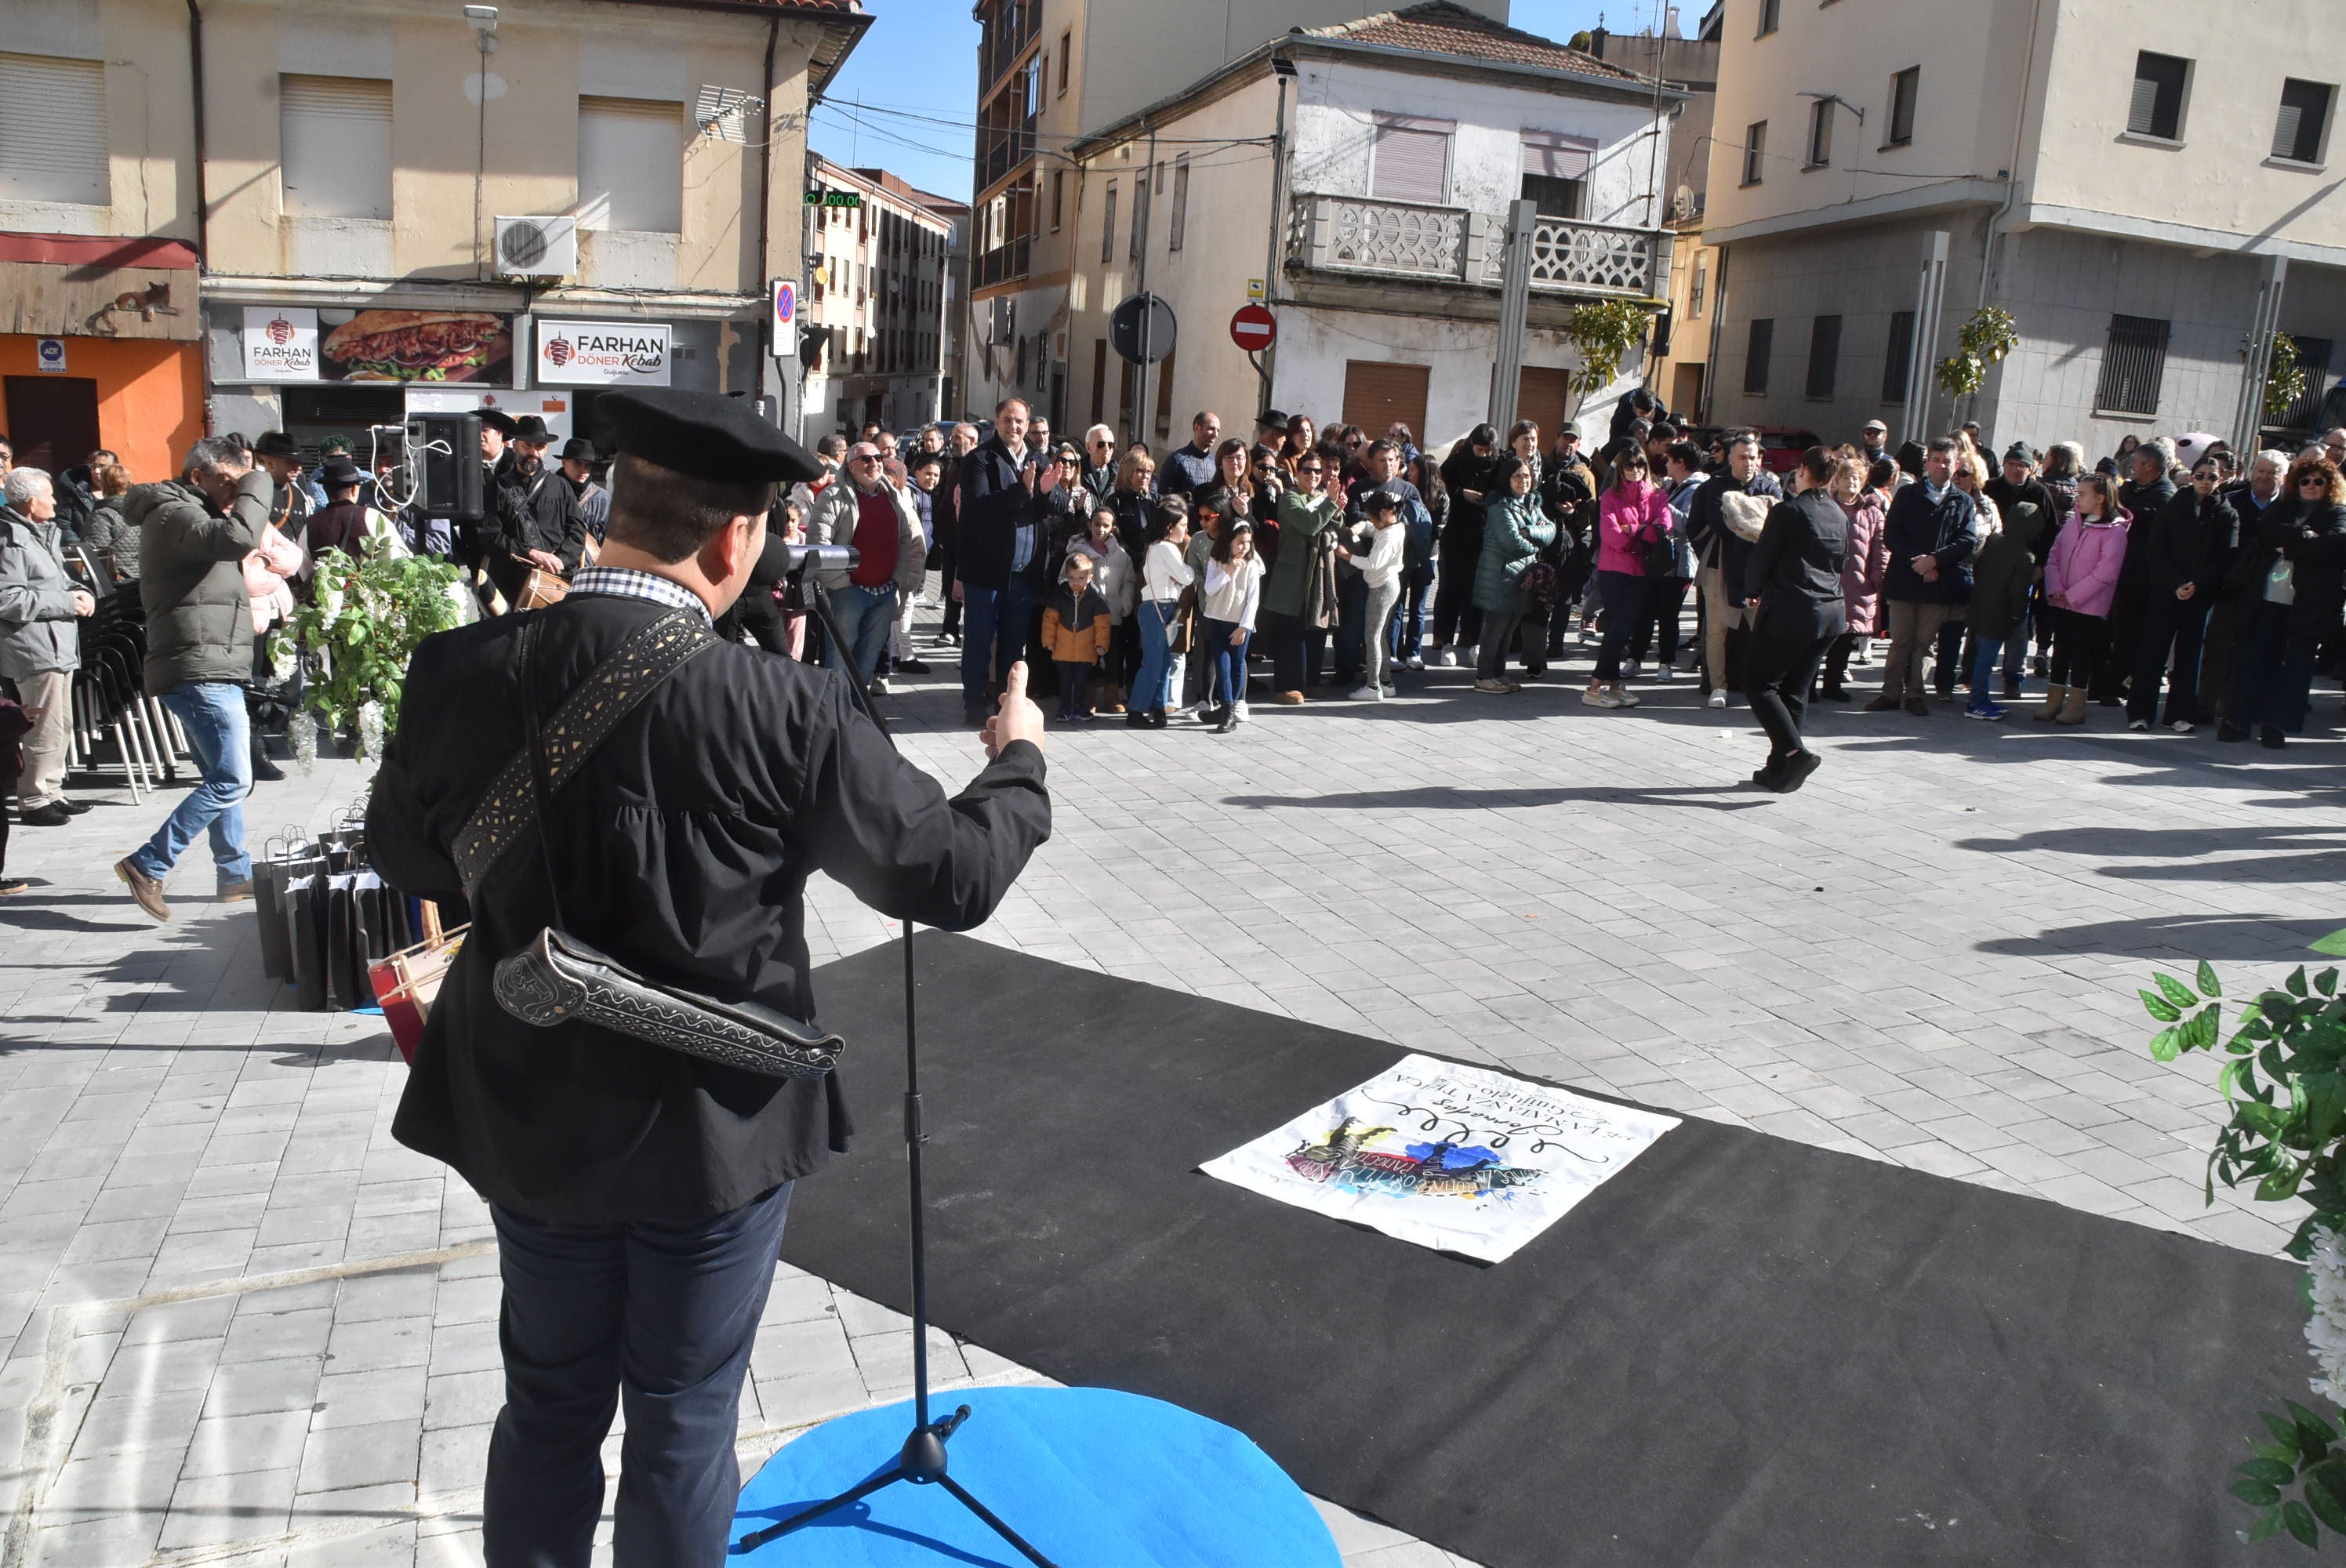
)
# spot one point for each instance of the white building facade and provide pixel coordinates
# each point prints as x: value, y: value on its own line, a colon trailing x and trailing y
x: 1367, y: 204
x: 2145, y: 194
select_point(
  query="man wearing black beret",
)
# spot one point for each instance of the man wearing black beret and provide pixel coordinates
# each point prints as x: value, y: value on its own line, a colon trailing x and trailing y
x: 639, y: 1192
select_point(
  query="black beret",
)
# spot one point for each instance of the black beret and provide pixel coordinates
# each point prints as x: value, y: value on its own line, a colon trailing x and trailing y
x: 706, y: 434
x: 498, y: 420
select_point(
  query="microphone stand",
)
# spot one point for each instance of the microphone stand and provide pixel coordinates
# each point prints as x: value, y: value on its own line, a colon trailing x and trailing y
x: 921, y: 1459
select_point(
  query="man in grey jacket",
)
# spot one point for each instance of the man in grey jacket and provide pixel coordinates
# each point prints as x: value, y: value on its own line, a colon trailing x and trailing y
x: 194, y: 535
x: 39, y: 646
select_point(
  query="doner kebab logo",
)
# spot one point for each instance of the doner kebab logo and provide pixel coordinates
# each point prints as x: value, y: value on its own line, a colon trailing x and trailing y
x: 280, y: 331
x: 557, y: 350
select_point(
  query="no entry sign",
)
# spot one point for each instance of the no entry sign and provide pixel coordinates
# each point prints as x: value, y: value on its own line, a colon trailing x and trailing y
x: 1253, y: 328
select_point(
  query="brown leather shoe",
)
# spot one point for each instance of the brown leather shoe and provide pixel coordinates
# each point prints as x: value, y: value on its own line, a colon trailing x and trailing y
x: 234, y: 892
x: 143, y: 887
x: 1882, y: 704
x: 1290, y: 697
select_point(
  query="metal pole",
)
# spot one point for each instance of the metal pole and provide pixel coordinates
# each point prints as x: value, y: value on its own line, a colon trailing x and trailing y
x: 1143, y: 200
x: 1929, y: 296
x: 1515, y: 314
x: 1263, y: 367
x: 2248, y: 418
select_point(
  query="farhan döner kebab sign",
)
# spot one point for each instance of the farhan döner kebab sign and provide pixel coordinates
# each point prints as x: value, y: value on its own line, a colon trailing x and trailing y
x: 603, y: 353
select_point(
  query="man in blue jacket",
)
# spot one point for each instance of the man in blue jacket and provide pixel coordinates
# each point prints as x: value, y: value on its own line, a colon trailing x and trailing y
x: 1932, y: 529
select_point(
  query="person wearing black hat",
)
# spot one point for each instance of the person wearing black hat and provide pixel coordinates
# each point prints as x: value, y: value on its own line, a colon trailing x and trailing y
x: 536, y: 522
x: 342, y: 526
x: 291, y: 503
x: 640, y: 1192
x: 594, y: 499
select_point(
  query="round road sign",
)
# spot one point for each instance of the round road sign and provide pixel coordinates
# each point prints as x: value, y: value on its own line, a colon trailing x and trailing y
x: 1142, y: 328
x: 1253, y: 328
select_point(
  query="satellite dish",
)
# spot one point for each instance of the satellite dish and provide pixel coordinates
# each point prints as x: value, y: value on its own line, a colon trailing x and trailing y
x: 1682, y: 203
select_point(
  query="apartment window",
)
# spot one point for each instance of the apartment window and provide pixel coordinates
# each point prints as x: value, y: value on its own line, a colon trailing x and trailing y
x: 1179, y: 221
x: 1058, y: 197
x: 1162, y: 415
x: 631, y: 165
x: 1159, y: 188
x: 53, y: 129
x: 2304, y: 116
x: 1066, y: 45
x: 2158, y: 107
x: 1700, y: 286
x: 1554, y: 168
x: 1755, y: 151
x: 1900, y: 357
x: 1140, y: 206
x: 1409, y: 159
x: 336, y: 153
x: 1821, y: 133
x: 2133, y: 364
x: 1902, y: 88
x: 1107, y: 226
x: 1099, y: 380
x: 1768, y: 17
x: 1824, y: 355
x: 1756, y: 355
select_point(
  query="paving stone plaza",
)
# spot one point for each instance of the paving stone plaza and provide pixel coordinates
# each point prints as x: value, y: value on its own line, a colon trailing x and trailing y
x: 241, y: 1325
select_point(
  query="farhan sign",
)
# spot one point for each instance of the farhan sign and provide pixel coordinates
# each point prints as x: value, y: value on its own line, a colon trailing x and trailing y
x: 603, y: 353
x: 281, y: 344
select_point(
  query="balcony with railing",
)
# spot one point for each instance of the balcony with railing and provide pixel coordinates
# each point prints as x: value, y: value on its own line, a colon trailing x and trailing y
x: 1372, y: 238
x: 1004, y: 33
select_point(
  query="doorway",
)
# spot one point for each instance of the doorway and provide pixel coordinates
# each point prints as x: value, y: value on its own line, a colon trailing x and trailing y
x: 1382, y: 394
x: 52, y: 420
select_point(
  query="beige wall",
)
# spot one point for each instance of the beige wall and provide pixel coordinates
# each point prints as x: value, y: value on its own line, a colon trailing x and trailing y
x: 547, y: 53
x: 2221, y: 179
x: 149, y: 114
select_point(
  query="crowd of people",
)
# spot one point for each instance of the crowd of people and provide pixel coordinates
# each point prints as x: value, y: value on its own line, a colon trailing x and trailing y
x: 2177, y: 580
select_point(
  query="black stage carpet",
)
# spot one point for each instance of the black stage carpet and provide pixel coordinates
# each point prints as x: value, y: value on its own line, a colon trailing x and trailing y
x: 1739, y: 1351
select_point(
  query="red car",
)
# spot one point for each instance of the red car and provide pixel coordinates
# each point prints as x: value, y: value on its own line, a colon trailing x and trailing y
x: 1780, y: 446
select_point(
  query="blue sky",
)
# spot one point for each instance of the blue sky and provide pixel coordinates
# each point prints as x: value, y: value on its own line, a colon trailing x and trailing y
x: 917, y: 68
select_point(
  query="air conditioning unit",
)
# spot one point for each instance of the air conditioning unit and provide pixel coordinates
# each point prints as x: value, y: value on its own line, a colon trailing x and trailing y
x: 537, y: 246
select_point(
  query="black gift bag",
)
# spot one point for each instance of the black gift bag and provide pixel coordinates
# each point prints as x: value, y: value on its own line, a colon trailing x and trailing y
x: 305, y: 927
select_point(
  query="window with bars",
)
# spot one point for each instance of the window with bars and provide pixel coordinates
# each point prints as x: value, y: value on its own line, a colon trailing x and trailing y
x: 1757, y: 353
x: 53, y: 129
x: 1900, y: 358
x: 1755, y: 151
x: 1821, y: 133
x: 2134, y: 363
x: 2304, y: 116
x: 1824, y: 355
x: 1903, y: 86
x: 2157, y: 109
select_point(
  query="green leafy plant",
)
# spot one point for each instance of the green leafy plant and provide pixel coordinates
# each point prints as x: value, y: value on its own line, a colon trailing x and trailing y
x: 2284, y: 376
x: 2284, y: 1076
x: 1602, y: 332
x: 1985, y: 339
x: 364, y: 619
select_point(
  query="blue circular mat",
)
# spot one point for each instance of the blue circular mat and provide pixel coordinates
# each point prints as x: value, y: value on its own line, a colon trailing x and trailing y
x: 1093, y: 1478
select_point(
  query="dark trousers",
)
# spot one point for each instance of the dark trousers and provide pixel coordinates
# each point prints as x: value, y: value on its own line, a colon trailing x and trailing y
x: 1282, y: 638
x: 1836, y: 677
x: 941, y: 560
x: 1950, y: 655
x: 2124, y: 635
x: 2273, y: 684
x: 1075, y: 688
x: 1665, y: 598
x: 2169, y: 623
x: 1352, y: 618
x: 1455, y: 618
x: 2080, y: 644
x: 994, y: 640
x: 1409, y: 616
x: 1776, y: 681
x: 661, y: 1316
x: 1623, y: 595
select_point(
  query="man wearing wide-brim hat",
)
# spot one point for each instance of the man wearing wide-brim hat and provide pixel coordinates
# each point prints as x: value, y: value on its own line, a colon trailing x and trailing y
x: 535, y: 521
x: 594, y: 498
x: 639, y: 1192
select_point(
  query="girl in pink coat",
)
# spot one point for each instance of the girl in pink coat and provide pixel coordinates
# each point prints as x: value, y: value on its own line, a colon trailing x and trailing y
x: 1861, y: 571
x: 2081, y: 578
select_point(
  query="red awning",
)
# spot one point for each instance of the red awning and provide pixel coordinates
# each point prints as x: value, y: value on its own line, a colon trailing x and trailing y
x: 99, y: 250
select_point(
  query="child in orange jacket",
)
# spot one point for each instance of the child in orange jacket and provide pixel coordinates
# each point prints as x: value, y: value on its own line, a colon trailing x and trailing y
x: 1076, y: 634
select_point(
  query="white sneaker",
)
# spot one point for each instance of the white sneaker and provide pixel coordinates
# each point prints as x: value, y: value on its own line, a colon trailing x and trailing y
x: 1635, y: 671
x: 1664, y: 672
x: 1625, y: 698
x: 1242, y: 711
x: 1472, y: 657
x: 1599, y: 697
x: 1367, y: 694
x: 1445, y: 658
x: 879, y: 686
x: 1716, y: 699
x: 1414, y: 661
x: 2183, y: 726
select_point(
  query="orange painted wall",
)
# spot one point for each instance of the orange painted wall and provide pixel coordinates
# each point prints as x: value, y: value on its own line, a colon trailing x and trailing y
x: 150, y: 395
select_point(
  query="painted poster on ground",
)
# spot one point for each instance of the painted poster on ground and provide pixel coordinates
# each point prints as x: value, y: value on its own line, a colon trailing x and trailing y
x: 1458, y: 1158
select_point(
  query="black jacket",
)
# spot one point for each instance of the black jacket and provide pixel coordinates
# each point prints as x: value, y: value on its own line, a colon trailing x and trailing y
x: 2142, y: 501
x: 2032, y: 490
x: 994, y: 505
x: 2188, y: 541
x: 1947, y: 528
x: 1713, y: 542
x: 535, y: 512
x: 2311, y: 537
x: 682, y: 850
x: 1795, y: 569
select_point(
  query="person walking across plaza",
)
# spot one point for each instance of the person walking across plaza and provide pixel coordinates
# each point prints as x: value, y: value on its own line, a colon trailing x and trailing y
x: 194, y: 535
x: 1932, y: 530
x: 1792, y: 589
x: 640, y: 1192
x: 40, y: 647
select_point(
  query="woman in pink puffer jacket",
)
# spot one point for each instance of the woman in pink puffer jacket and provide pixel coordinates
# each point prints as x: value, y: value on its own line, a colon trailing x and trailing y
x: 2081, y: 578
